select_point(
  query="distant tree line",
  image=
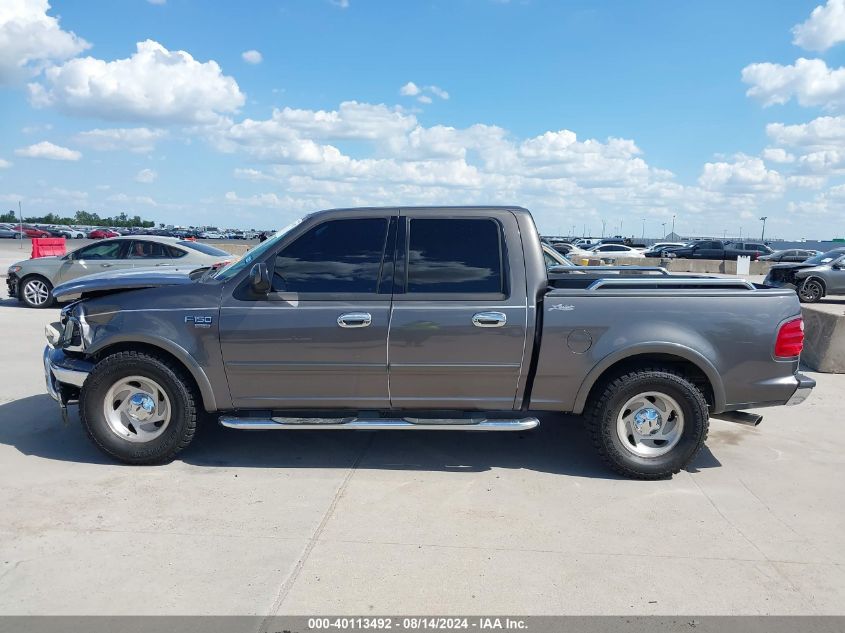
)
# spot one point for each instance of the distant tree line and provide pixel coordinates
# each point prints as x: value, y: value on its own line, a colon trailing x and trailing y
x: 83, y: 218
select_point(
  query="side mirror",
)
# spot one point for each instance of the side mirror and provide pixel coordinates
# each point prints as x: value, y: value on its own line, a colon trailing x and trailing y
x: 260, y: 279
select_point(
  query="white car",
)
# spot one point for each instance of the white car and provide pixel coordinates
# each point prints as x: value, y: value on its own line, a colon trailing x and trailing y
x: 615, y: 250
x: 73, y: 234
x: 211, y: 235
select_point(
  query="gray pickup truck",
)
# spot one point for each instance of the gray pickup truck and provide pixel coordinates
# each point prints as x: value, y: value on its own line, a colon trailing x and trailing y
x: 421, y: 318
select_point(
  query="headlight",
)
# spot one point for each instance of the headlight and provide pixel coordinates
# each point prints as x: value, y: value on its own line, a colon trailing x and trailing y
x: 15, y: 269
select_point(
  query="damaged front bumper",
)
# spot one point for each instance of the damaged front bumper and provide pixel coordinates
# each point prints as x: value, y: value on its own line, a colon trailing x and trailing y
x: 64, y: 374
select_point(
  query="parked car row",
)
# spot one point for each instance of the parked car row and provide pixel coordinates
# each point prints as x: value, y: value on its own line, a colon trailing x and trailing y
x: 31, y: 231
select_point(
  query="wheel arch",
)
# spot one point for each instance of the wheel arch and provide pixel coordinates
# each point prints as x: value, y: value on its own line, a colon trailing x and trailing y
x: 163, y: 349
x: 814, y: 277
x: 699, y: 370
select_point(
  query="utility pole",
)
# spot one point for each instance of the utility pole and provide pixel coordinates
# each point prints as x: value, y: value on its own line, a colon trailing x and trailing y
x: 763, y: 234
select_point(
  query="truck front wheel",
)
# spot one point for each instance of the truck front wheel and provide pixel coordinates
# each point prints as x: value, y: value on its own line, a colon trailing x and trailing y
x: 649, y: 423
x: 138, y: 408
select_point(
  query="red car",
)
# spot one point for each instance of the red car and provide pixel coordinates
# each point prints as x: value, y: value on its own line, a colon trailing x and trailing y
x: 97, y: 234
x: 30, y: 232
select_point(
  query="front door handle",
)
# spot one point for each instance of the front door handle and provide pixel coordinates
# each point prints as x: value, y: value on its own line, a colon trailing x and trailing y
x: 489, y: 319
x: 355, y: 319
x: 106, y: 265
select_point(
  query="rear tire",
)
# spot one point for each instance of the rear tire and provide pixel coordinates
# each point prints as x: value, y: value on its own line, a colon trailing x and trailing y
x: 36, y: 292
x: 648, y: 423
x: 149, y: 430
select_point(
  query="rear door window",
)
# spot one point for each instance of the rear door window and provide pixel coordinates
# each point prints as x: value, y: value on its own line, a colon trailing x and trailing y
x: 449, y: 255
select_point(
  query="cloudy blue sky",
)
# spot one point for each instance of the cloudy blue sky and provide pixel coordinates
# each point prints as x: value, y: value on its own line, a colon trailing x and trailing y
x: 247, y: 114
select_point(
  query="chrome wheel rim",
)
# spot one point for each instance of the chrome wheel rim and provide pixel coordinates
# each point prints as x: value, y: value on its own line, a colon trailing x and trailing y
x: 650, y: 424
x: 811, y: 291
x: 36, y: 292
x: 137, y: 409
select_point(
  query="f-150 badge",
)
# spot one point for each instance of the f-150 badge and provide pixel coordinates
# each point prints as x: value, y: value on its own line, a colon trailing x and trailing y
x: 199, y: 321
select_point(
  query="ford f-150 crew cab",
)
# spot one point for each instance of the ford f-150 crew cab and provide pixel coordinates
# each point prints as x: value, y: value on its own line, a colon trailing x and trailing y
x: 421, y: 318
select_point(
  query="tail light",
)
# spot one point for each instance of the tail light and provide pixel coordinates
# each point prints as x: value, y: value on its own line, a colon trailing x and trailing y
x: 790, y: 340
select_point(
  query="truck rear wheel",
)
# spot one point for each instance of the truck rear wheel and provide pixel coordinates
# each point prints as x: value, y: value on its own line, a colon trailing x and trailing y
x: 138, y: 409
x: 649, y: 423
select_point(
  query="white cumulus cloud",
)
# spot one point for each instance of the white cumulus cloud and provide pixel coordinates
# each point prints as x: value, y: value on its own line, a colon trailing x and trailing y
x: 30, y: 39
x: 410, y: 89
x: 252, y: 57
x: 138, y: 139
x: 46, y: 149
x: 146, y: 176
x: 4, y: 164
x: 808, y: 81
x: 746, y: 175
x: 777, y: 155
x: 824, y: 28
x: 154, y: 84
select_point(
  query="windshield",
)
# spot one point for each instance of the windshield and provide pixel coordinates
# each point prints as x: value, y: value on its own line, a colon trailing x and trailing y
x: 227, y: 272
x: 826, y: 258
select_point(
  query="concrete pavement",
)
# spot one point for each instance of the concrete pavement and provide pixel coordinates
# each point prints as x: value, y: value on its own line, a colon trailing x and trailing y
x: 372, y: 523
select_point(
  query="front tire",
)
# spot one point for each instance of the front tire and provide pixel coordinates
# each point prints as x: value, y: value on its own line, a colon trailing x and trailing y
x: 649, y: 423
x: 138, y: 408
x: 811, y: 291
x: 36, y: 292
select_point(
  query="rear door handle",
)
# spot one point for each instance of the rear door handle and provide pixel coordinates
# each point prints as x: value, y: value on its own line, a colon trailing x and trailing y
x: 355, y: 319
x: 489, y: 319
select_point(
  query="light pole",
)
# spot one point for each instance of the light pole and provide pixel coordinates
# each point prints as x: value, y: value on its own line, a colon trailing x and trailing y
x: 644, y: 229
x: 603, y: 223
x: 664, y: 230
x: 673, y: 225
x: 20, y: 215
x: 763, y: 234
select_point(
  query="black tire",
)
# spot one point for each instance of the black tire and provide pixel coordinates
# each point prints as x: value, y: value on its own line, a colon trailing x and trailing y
x: 603, y: 412
x: 30, y: 297
x: 180, y: 392
x: 810, y: 291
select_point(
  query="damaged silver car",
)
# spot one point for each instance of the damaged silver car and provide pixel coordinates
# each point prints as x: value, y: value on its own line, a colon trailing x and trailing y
x: 812, y: 279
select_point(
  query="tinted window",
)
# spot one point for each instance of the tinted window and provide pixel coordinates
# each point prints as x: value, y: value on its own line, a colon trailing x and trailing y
x: 203, y: 248
x: 753, y: 247
x: 103, y: 250
x: 455, y: 256
x: 152, y: 250
x: 336, y: 256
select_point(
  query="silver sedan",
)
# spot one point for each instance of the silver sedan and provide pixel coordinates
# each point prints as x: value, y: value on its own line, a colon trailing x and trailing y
x: 31, y: 281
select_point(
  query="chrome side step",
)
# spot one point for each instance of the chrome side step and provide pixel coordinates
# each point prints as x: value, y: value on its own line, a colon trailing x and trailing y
x: 378, y: 424
x: 739, y: 417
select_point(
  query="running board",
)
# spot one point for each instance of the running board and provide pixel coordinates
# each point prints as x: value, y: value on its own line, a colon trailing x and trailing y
x: 378, y: 424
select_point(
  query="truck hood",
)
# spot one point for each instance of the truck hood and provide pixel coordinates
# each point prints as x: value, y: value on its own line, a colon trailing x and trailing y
x: 119, y: 281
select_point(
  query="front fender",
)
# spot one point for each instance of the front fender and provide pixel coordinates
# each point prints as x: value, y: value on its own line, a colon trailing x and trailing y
x: 102, y: 344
